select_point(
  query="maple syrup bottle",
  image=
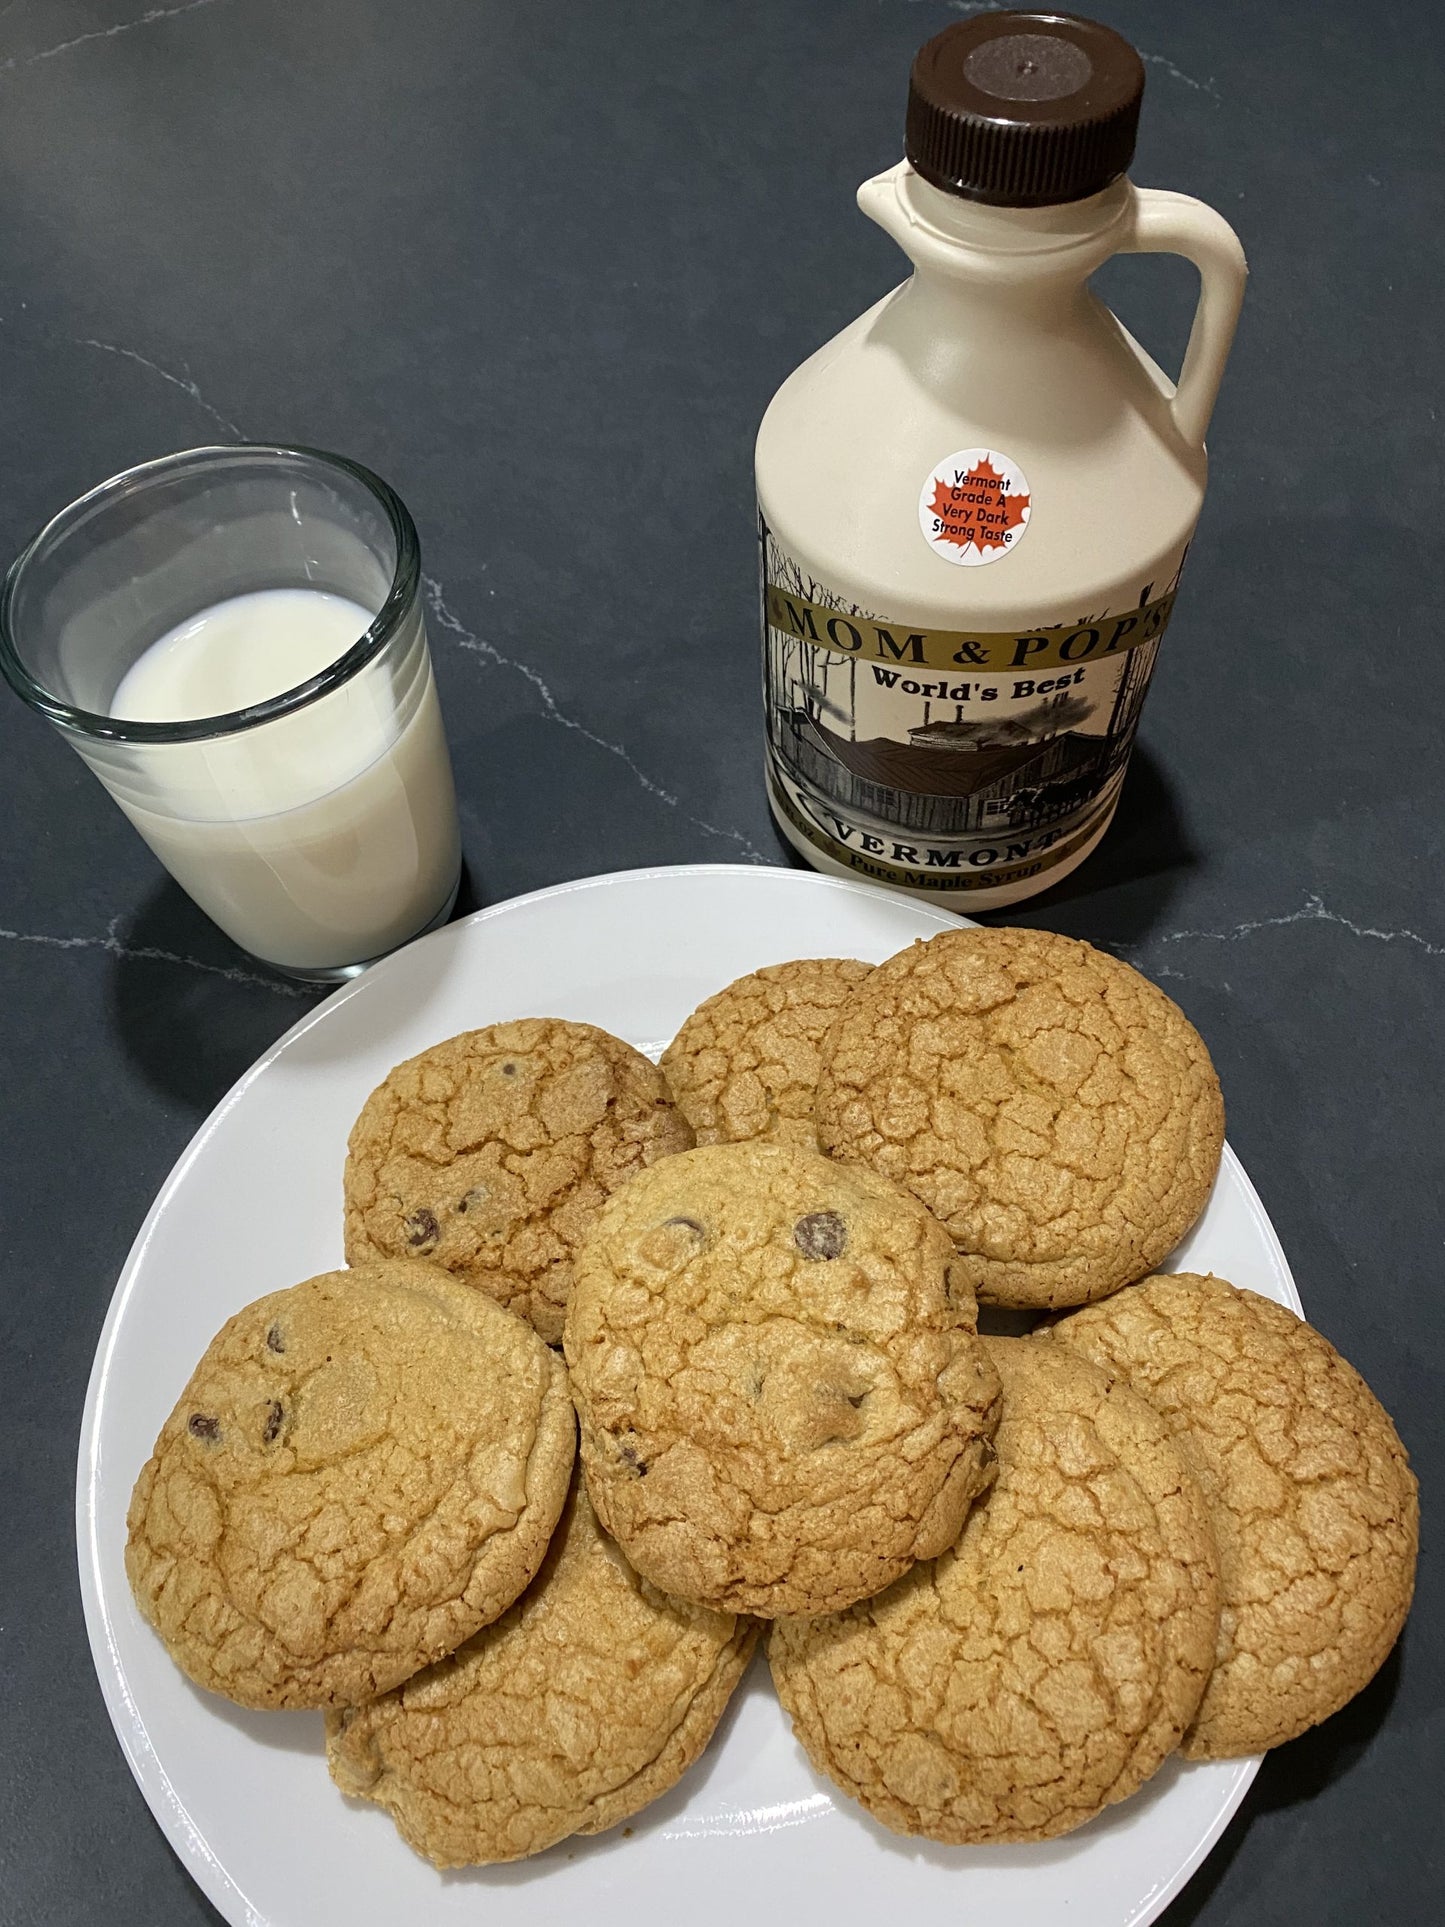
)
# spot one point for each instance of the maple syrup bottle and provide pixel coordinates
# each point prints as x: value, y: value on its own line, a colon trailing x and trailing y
x: 975, y: 502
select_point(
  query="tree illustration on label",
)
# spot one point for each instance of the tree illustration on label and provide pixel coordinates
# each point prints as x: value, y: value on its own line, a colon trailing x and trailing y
x: 974, y: 507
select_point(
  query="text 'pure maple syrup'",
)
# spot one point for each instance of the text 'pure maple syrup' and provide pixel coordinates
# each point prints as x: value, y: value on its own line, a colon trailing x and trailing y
x: 975, y: 502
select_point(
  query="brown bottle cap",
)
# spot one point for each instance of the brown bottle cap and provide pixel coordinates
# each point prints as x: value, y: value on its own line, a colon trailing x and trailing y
x: 1024, y: 109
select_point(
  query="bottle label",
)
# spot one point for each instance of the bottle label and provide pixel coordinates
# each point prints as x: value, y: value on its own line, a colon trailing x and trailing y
x: 947, y: 759
x: 974, y: 507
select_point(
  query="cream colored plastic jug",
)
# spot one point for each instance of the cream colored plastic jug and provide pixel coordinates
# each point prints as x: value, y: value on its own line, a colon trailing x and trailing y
x: 975, y: 502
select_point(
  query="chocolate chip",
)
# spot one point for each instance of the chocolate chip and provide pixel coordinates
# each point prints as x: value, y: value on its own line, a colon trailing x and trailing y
x: 664, y: 1247
x: 509, y: 1070
x: 274, y: 1341
x: 477, y: 1195
x: 274, y: 1416
x: 822, y: 1234
x: 631, y: 1456
x: 421, y: 1228
x: 201, y: 1425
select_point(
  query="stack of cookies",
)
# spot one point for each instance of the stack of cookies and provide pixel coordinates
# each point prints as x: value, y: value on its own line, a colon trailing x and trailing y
x: 1004, y: 1578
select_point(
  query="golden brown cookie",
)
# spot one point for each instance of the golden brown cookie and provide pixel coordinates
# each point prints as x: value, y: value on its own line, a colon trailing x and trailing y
x: 1050, y: 1105
x: 745, y: 1064
x: 491, y: 1154
x: 1045, y: 1666
x: 592, y: 1696
x: 780, y: 1407
x: 1315, y: 1507
x: 361, y: 1472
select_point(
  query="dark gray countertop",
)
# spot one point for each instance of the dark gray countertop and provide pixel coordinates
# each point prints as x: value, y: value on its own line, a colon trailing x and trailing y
x: 543, y: 268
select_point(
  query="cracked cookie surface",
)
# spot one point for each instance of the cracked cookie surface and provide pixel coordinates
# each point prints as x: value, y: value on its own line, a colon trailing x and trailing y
x: 1315, y: 1507
x: 781, y: 1408
x: 491, y: 1154
x: 361, y: 1472
x: 746, y: 1062
x: 1045, y: 1666
x: 1051, y: 1106
x: 589, y: 1698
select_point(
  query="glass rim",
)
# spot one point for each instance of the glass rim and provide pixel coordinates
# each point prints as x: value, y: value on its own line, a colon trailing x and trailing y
x: 405, y: 579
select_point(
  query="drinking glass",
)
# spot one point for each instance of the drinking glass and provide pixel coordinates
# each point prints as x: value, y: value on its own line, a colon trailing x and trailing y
x: 318, y: 826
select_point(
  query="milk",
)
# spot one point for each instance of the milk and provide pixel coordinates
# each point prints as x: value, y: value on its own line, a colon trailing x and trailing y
x: 237, y: 653
x: 315, y: 840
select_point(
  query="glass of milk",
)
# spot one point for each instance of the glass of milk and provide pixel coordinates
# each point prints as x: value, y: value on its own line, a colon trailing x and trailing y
x: 232, y: 639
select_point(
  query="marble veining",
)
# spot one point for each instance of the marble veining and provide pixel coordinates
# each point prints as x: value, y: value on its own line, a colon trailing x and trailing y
x: 463, y: 638
x: 184, y: 382
x: 1314, y: 910
x: 111, y: 945
x: 1178, y: 73
x: 150, y: 18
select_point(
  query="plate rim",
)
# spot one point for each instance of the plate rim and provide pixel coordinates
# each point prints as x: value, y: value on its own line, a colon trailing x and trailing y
x: 167, y: 1808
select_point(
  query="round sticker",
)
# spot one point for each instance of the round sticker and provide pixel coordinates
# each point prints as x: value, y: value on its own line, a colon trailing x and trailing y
x: 974, y: 507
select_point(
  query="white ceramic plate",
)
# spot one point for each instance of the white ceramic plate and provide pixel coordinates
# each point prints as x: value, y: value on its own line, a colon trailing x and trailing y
x: 255, y: 1204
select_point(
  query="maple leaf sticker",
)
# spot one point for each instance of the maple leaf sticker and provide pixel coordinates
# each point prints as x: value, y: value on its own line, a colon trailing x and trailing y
x: 974, y: 507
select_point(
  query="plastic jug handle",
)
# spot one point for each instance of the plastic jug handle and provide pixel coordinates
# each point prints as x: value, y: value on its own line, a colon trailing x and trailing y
x: 1166, y: 223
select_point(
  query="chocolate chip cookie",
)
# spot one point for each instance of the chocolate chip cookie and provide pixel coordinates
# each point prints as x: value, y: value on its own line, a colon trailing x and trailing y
x: 362, y: 1471
x: 590, y: 1697
x: 745, y: 1064
x: 1045, y: 1666
x: 1315, y: 1507
x: 491, y: 1154
x: 781, y: 1407
x: 1054, y: 1109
